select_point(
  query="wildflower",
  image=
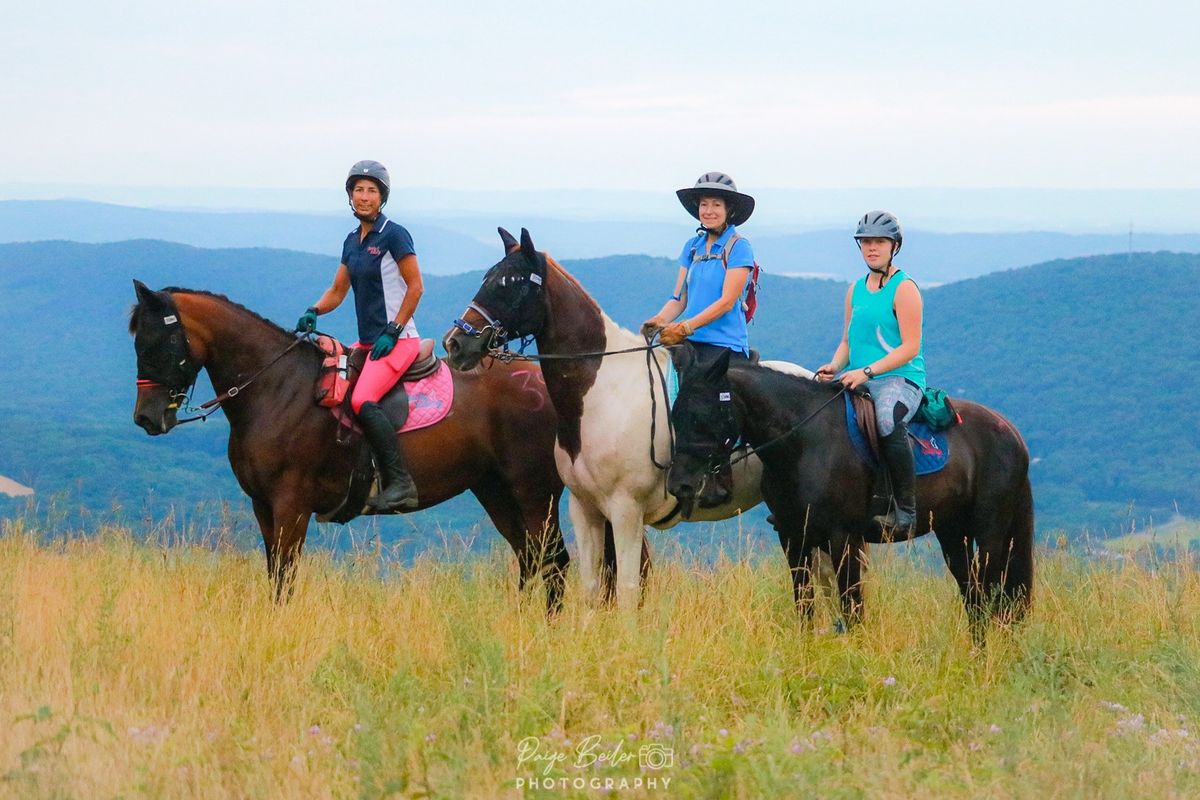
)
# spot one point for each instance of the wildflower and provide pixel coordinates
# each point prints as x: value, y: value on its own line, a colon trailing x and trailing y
x: 467, y: 681
x: 740, y: 747
x: 723, y: 733
x: 1111, y: 706
x: 798, y: 746
x: 430, y: 737
x: 661, y: 730
x: 1134, y: 722
x: 974, y: 747
x: 631, y: 737
x: 890, y: 680
x: 314, y: 730
x: 358, y: 726
x: 993, y: 728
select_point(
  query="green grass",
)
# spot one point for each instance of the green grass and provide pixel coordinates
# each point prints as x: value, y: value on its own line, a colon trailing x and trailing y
x: 133, y: 670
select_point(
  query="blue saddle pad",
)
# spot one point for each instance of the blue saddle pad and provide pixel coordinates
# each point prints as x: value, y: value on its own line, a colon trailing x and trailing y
x: 931, y: 449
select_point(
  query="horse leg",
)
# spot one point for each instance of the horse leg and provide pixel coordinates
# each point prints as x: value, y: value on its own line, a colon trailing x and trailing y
x: 799, y: 555
x: 629, y: 534
x: 589, y: 537
x: 266, y: 524
x: 998, y: 556
x: 846, y: 552
x: 958, y: 551
x: 534, y: 535
x: 290, y: 524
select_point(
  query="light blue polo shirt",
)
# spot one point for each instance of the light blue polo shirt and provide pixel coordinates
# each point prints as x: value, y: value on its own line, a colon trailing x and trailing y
x: 706, y: 279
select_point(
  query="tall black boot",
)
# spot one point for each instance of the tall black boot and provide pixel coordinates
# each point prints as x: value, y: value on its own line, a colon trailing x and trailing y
x: 399, y: 493
x: 898, y: 456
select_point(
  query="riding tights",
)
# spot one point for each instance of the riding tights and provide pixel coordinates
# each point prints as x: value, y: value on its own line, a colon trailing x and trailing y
x: 378, y: 376
x: 896, y: 400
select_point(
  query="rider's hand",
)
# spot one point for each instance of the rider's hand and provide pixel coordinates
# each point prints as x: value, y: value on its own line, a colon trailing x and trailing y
x: 825, y: 372
x: 651, y: 327
x: 675, y: 333
x: 854, y: 379
x: 308, y: 321
x: 386, y: 341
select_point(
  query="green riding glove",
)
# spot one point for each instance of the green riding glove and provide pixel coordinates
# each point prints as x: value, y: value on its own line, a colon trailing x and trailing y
x: 386, y: 341
x: 308, y: 321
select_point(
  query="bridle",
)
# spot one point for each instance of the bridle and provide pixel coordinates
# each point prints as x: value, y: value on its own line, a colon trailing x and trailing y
x: 190, y: 372
x: 496, y: 347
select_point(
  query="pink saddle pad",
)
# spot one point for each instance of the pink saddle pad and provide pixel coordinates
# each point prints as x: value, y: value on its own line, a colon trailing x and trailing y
x: 429, y: 399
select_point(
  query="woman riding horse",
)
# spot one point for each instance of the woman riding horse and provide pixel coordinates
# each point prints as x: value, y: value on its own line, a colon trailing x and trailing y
x: 881, y: 348
x: 380, y: 264
x: 714, y: 267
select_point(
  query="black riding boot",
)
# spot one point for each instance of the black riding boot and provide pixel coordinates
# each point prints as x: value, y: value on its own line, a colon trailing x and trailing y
x: 897, y: 455
x: 399, y: 493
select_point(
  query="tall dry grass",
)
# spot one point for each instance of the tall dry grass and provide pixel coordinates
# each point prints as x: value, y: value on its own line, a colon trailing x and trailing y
x: 134, y: 670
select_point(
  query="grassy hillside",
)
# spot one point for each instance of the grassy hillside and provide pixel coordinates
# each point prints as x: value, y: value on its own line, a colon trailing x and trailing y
x: 165, y: 671
x: 1093, y: 359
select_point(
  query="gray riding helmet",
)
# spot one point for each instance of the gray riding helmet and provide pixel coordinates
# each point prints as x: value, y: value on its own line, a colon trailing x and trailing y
x: 373, y: 170
x: 717, y: 184
x: 880, y: 225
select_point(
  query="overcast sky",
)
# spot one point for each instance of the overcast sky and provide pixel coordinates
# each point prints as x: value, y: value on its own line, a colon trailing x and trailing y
x: 626, y: 95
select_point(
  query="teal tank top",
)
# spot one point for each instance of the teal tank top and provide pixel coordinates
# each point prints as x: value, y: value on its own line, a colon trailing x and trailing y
x: 875, y: 332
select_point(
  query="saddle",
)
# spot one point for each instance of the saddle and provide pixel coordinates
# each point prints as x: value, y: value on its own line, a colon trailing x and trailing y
x: 422, y: 397
x: 931, y: 449
x: 340, y: 371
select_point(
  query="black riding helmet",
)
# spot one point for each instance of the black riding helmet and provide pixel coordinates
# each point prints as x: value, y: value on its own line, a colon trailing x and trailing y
x: 374, y: 171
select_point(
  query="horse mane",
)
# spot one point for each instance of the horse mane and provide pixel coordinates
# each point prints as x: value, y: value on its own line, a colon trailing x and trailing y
x: 133, y: 316
x: 800, y: 379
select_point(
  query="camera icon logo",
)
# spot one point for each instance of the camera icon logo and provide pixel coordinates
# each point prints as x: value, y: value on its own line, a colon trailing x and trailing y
x: 656, y: 756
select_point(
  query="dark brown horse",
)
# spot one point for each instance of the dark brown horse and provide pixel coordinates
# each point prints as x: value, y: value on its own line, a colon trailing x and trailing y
x: 288, y: 456
x: 979, y: 505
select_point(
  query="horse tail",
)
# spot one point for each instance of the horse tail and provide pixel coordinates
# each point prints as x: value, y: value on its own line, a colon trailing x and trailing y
x: 1018, y: 581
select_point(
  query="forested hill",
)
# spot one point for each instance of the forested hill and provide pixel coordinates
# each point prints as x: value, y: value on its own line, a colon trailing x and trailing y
x: 1094, y: 359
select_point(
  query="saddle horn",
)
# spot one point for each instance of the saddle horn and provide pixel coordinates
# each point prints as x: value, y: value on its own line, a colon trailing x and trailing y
x: 510, y: 241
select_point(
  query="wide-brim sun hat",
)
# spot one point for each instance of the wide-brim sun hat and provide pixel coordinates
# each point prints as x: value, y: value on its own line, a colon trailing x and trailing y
x: 717, y: 184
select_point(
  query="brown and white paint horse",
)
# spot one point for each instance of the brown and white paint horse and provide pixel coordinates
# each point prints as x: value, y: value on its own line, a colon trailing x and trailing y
x: 604, y: 408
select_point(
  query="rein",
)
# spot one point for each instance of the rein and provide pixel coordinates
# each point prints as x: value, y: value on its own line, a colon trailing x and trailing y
x: 214, y: 404
x: 789, y: 431
x: 500, y: 352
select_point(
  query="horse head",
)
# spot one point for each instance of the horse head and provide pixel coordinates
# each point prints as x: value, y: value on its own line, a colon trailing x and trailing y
x: 509, y: 304
x: 706, y: 430
x: 166, y: 369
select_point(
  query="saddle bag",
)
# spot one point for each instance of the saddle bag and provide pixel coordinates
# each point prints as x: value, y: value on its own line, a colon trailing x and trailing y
x: 936, y: 410
x: 333, y: 381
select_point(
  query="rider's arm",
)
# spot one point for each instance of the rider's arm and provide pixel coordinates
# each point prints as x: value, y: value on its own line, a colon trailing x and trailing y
x: 909, y: 308
x: 414, y: 288
x: 335, y: 294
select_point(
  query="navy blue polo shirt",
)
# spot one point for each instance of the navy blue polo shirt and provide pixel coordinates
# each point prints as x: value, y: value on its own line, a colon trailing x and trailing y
x: 375, y: 277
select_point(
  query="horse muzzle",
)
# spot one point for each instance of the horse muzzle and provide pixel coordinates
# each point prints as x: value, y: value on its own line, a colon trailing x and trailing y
x: 154, y: 418
x: 463, y: 352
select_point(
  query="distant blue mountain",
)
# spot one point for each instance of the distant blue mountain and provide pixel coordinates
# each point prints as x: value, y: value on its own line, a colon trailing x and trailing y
x: 450, y: 243
x: 1094, y: 359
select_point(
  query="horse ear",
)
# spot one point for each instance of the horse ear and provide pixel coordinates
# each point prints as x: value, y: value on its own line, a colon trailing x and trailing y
x: 510, y: 243
x: 716, y: 371
x: 145, y: 295
x: 527, y: 247
x: 682, y: 356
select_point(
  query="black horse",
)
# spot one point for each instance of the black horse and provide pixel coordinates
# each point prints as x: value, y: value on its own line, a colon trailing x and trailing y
x: 979, y: 505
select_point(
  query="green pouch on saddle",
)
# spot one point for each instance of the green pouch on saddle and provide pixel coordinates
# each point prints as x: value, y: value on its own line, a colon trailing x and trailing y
x: 936, y: 411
